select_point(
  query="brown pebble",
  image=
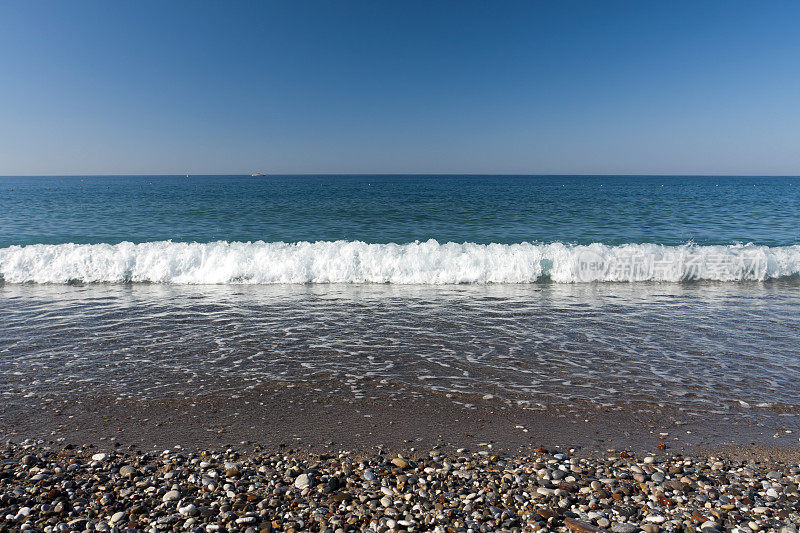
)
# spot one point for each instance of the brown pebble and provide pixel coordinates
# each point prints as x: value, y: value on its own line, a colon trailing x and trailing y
x: 580, y: 526
x: 663, y: 500
x: 399, y: 462
x: 547, y: 513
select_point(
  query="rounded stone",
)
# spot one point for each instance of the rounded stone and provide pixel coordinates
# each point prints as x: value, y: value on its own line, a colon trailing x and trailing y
x: 399, y: 462
x: 303, y: 481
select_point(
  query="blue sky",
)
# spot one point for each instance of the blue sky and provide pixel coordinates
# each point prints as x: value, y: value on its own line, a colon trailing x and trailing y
x: 399, y: 87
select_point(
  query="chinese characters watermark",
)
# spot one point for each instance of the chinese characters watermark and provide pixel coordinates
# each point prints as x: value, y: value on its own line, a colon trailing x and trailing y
x: 679, y: 265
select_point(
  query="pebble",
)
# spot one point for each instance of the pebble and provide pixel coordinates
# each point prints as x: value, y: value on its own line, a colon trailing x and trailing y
x: 399, y: 462
x: 302, y: 481
x: 189, y: 510
x: 580, y: 526
x: 203, y: 492
x: 171, y: 496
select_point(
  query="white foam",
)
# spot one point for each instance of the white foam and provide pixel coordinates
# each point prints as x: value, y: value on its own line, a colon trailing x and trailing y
x: 414, y: 263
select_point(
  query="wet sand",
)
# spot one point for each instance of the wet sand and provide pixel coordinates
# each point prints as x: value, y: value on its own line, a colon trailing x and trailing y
x: 317, y: 417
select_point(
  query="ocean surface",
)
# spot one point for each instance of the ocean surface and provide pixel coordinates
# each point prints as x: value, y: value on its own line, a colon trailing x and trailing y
x: 617, y: 291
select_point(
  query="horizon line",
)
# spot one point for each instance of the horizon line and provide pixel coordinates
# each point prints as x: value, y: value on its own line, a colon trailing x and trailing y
x: 267, y: 175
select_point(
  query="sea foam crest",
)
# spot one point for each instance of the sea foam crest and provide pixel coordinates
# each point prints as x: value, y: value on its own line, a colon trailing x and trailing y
x: 414, y: 263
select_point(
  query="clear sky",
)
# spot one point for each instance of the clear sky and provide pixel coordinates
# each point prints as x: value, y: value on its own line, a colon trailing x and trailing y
x: 90, y: 87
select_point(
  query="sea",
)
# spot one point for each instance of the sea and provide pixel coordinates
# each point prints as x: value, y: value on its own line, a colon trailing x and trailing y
x: 616, y: 291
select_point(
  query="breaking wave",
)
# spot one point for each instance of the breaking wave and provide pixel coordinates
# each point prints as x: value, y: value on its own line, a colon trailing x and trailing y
x: 426, y: 262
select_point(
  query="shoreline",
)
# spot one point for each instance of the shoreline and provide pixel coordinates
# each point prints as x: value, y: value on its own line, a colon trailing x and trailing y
x: 236, y: 460
x: 327, y: 416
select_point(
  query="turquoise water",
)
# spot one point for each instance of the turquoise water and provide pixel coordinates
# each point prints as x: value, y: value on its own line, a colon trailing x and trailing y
x: 401, y: 209
x: 398, y: 229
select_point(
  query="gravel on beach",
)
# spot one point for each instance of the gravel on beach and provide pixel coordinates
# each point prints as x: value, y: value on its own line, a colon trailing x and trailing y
x: 84, y: 489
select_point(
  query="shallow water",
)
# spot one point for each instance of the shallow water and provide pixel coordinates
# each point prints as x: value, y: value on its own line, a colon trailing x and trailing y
x: 699, y: 346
